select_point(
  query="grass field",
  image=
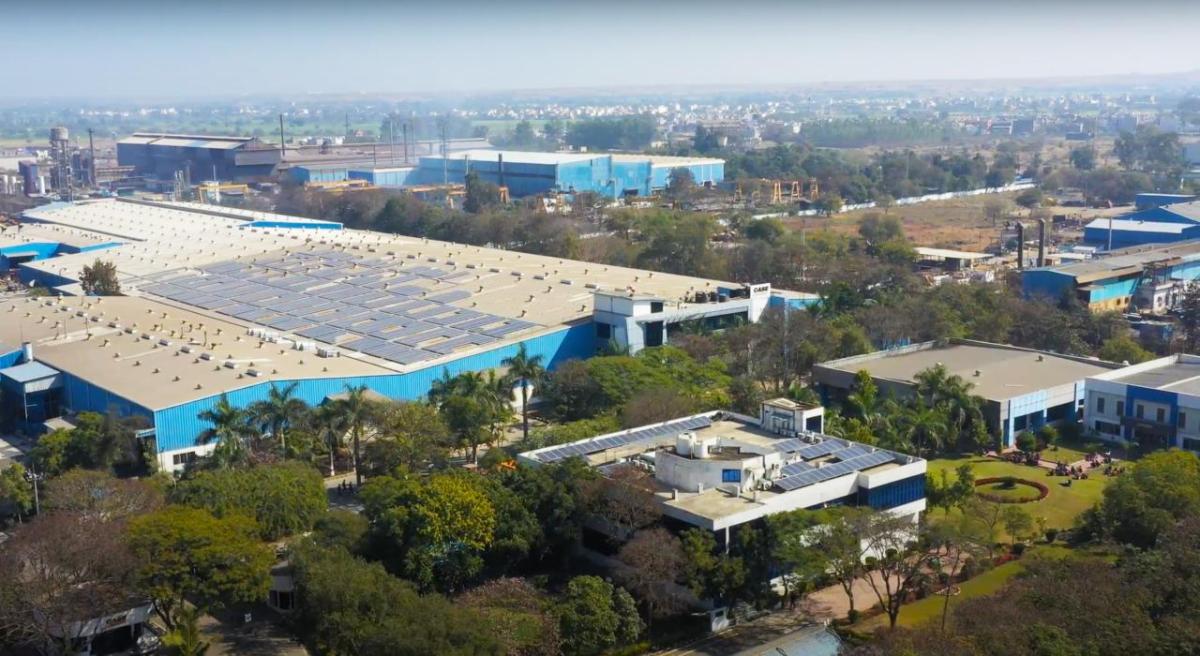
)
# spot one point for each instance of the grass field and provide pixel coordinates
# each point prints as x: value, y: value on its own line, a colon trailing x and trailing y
x: 1059, y: 509
x: 930, y: 608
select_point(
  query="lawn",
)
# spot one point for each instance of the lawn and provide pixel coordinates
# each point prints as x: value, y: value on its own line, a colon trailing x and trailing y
x: 1059, y: 508
x: 930, y: 608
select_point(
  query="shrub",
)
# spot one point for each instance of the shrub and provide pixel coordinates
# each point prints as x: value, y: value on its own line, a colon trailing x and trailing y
x: 1018, y: 549
x: 1043, y: 491
x: 1051, y: 534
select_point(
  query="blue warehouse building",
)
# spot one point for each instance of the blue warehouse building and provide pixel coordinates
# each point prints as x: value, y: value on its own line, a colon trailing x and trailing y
x: 530, y: 173
x: 1156, y: 222
x: 1149, y: 278
x: 225, y: 302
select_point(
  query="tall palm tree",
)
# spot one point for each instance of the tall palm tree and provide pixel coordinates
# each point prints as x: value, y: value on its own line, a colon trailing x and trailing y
x: 330, y: 427
x: 356, y: 410
x: 279, y: 410
x: 925, y: 426
x: 230, y: 428
x: 525, y: 369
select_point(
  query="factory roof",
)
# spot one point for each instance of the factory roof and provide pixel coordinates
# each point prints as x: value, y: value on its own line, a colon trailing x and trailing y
x: 1129, y: 225
x: 1190, y: 209
x: 186, y: 140
x: 1128, y: 260
x: 520, y: 156
x: 995, y: 371
x: 947, y: 254
x: 667, y: 160
x: 150, y: 352
x: 395, y: 302
x: 1175, y: 373
x: 28, y: 372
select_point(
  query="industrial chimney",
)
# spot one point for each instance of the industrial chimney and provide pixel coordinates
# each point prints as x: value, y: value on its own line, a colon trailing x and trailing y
x: 1041, y: 261
x: 1020, y: 245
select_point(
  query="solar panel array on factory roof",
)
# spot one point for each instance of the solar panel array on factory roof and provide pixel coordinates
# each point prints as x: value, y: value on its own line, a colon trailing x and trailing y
x: 597, y: 445
x: 834, y: 470
x: 395, y: 310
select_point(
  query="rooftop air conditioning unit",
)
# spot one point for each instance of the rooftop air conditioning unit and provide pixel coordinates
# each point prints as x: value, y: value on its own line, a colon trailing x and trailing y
x: 230, y: 364
x: 253, y: 372
x: 306, y: 346
x: 164, y: 342
x: 206, y: 356
x: 326, y: 352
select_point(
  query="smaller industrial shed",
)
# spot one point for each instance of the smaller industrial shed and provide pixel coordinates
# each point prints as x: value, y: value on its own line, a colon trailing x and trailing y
x: 1149, y: 276
x: 1023, y: 388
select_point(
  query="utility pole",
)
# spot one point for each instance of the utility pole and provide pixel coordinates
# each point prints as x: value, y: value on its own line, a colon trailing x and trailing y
x: 392, y: 139
x: 282, y: 147
x: 34, y: 477
x: 91, y: 159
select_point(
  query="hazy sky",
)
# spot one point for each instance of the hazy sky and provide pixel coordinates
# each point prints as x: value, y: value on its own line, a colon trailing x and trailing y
x: 172, y: 48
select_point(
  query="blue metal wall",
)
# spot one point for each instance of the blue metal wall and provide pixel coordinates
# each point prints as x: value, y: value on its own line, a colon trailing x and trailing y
x: 9, y: 358
x: 1123, y: 238
x: 896, y: 493
x: 178, y: 427
x: 82, y: 396
x: 304, y: 225
x: 302, y: 174
x: 1046, y: 282
x: 390, y: 177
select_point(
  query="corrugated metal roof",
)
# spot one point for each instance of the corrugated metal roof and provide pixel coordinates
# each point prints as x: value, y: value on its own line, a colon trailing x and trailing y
x: 1140, y: 226
x: 1128, y: 260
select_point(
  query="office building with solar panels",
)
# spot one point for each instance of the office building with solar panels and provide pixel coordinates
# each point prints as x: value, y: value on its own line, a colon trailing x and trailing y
x: 720, y: 470
x: 222, y: 301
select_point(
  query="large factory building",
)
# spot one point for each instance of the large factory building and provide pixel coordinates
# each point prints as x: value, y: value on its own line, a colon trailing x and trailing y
x: 532, y: 173
x: 1150, y: 278
x: 221, y: 301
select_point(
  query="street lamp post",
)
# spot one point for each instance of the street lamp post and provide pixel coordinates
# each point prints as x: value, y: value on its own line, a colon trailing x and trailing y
x: 35, y: 478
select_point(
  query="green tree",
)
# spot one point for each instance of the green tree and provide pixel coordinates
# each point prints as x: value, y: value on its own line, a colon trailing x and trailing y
x: 357, y: 412
x: 49, y: 455
x: 15, y: 490
x: 1083, y: 158
x: 710, y: 572
x: 280, y: 410
x: 411, y: 435
x: 1017, y: 522
x: 230, y: 427
x: 525, y: 370
x: 522, y: 135
x: 188, y: 555
x: 479, y: 195
x: 794, y: 551
x: 1123, y: 349
x: 348, y: 606
x: 185, y: 639
x: 655, y: 560
x: 100, y: 279
x: 1142, y: 504
x: 284, y: 499
x: 587, y: 620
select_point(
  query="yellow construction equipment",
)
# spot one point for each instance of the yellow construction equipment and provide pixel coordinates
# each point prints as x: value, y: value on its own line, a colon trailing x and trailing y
x: 209, y: 192
x: 339, y: 186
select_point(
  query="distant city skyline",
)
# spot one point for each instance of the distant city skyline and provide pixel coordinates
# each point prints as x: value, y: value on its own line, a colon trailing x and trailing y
x: 221, y: 49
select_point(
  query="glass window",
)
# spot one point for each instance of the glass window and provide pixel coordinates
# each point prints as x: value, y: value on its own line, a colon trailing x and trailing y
x: 1140, y: 411
x: 1160, y: 415
x: 1120, y: 408
x: 1100, y: 404
x: 1181, y: 420
x: 731, y: 476
x: 1191, y: 444
x: 603, y: 330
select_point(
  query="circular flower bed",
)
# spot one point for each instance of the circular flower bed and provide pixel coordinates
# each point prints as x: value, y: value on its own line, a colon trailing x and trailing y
x: 999, y: 489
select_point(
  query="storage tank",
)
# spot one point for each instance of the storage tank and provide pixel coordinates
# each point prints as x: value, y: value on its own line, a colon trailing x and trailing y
x: 59, y: 134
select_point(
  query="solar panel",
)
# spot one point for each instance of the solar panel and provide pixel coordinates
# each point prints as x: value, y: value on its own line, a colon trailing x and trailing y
x: 788, y: 446
x: 823, y: 448
x: 795, y: 468
x: 451, y: 296
x: 289, y: 323
x: 509, y: 328
x: 834, y: 470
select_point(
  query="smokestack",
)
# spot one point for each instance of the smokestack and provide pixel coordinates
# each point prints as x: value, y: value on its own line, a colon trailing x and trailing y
x: 282, y: 148
x: 1020, y: 245
x: 500, y: 160
x: 27, y: 352
x: 91, y: 159
x: 1041, y: 242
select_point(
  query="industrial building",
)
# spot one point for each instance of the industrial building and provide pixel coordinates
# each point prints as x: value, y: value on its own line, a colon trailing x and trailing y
x: 531, y: 173
x: 1145, y: 278
x: 162, y: 156
x: 1159, y: 223
x: 222, y: 301
x: 1023, y: 389
x: 721, y: 470
x: 1155, y: 403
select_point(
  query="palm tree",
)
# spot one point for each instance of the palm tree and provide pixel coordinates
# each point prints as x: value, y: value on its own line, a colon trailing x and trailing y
x: 356, y: 411
x: 524, y: 369
x: 328, y: 422
x: 230, y: 428
x: 279, y: 410
x: 925, y: 426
